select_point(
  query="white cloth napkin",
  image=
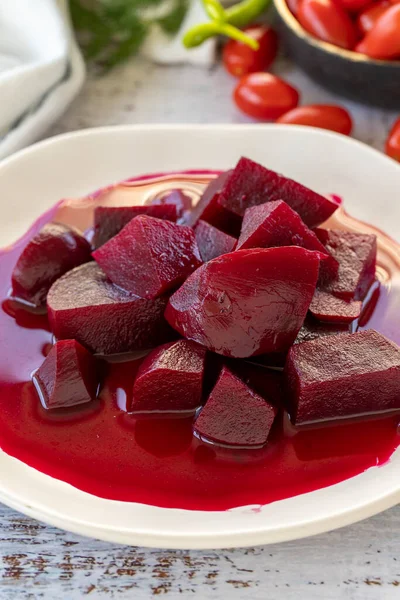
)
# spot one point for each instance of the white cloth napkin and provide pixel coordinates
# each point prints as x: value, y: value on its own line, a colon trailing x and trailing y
x: 41, y: 68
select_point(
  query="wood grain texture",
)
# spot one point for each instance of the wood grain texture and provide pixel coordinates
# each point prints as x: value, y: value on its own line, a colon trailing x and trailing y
x: 361, y: 562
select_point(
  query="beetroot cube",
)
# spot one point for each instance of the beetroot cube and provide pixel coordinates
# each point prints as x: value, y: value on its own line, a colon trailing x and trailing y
x: 276, y: 224
x: 149, y: 256
x: 84, y: 305
x: 313, y: 329
x: 170, y: 378
x: 212, y: 242
x: 356, y: 254
x: 109, y: 220
x: 235, y: 415
x: 177, y: 198
x: 326, y: 307
x: 342, y: 376
x: 250, y: 184
x: 52, y: 252
x: 267, y: 383
x: 208, y: 208
x: 67, y: 377
x: 247, y: 302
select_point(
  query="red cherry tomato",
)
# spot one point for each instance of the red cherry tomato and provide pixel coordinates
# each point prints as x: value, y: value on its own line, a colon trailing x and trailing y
x: 368, y: 17
x: 394, y: 1
x: 293, y: 6
x: 354, y: 6
x: 240, y: 59
x: 334, y: 118
x: 383, y: 41
x: 393, y: 141
x: 327, y: 21
x: 264, y: 96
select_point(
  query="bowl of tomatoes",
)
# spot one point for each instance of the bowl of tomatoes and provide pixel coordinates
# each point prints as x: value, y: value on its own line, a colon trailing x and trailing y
x: 352, y: 47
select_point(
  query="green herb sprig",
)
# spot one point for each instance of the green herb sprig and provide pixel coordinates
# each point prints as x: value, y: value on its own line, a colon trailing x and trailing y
x: 110, y: 31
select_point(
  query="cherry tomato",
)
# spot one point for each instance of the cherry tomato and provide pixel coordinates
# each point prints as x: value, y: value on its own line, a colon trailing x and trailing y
x: 293, y: 6
x: 354, y: 6
x: 264, y: 96
x: 394, y: 1
x: 331, y: 117
x: 383, y: 41
x: 239, y: 59
x: 368, y: 17
x: 393, y: 141
x: 327, y: 21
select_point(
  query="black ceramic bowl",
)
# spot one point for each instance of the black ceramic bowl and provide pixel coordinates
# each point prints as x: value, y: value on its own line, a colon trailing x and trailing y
x: 348, y: 73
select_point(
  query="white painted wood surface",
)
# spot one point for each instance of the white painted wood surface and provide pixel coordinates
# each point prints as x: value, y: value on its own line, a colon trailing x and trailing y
x: 361, y: 562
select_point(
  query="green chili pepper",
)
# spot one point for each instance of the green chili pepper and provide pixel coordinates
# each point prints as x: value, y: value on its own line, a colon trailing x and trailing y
x: 245, y: 12
x: 214, y: 10
x: 226, y: 22
x: 200, y: 33
x: 236, y: 34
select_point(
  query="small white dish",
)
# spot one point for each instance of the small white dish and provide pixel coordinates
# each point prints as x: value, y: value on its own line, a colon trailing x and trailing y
x: 75, y: 164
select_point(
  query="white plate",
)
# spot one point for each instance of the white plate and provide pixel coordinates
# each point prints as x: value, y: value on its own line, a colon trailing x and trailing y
x: 78, y: 163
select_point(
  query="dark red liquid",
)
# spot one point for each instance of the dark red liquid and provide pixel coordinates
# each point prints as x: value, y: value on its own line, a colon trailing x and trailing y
x: 103, y: 450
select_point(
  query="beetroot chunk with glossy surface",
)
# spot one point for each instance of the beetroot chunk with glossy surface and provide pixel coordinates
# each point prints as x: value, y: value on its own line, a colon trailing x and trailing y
x: 247, y: 302
x: 212, y: 242
x: 234, y: 415
x: 313, y: 329
x: 267, y: 383
x: 84, y: 305
x: 328, y: 308
x: 356, y: 254
x: 67, y: 377
x: 343, y: 376
x: 109, y: 220
x: 149, y: 256
x: 276, y: 224
x: 208, y: 208
x: 56, y: 249
x: 170, y: 378
x: 250, y: 184
x: 181, y: 201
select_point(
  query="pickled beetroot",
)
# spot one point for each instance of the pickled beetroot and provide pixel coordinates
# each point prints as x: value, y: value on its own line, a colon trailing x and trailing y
x: 109, y: 220
x: 250, y: 184
x: 149, y: 256
x: 170, y: 378
x: 329, y: 308
x: 212, y: 242
x: 52, y: 252
x: 67, y: 377
x: 276, y: 224
x: 177, y: 198
x: 356, y: 254
x: 235, y: 415
x: 208, y: 208
x: 84, y: 305
x: 247, y: 302
x: 313, y: 329
x: 267, y: 383
x: 342, y: 376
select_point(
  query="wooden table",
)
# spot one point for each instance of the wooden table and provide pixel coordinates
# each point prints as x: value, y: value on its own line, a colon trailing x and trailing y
x: 361, y: 562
